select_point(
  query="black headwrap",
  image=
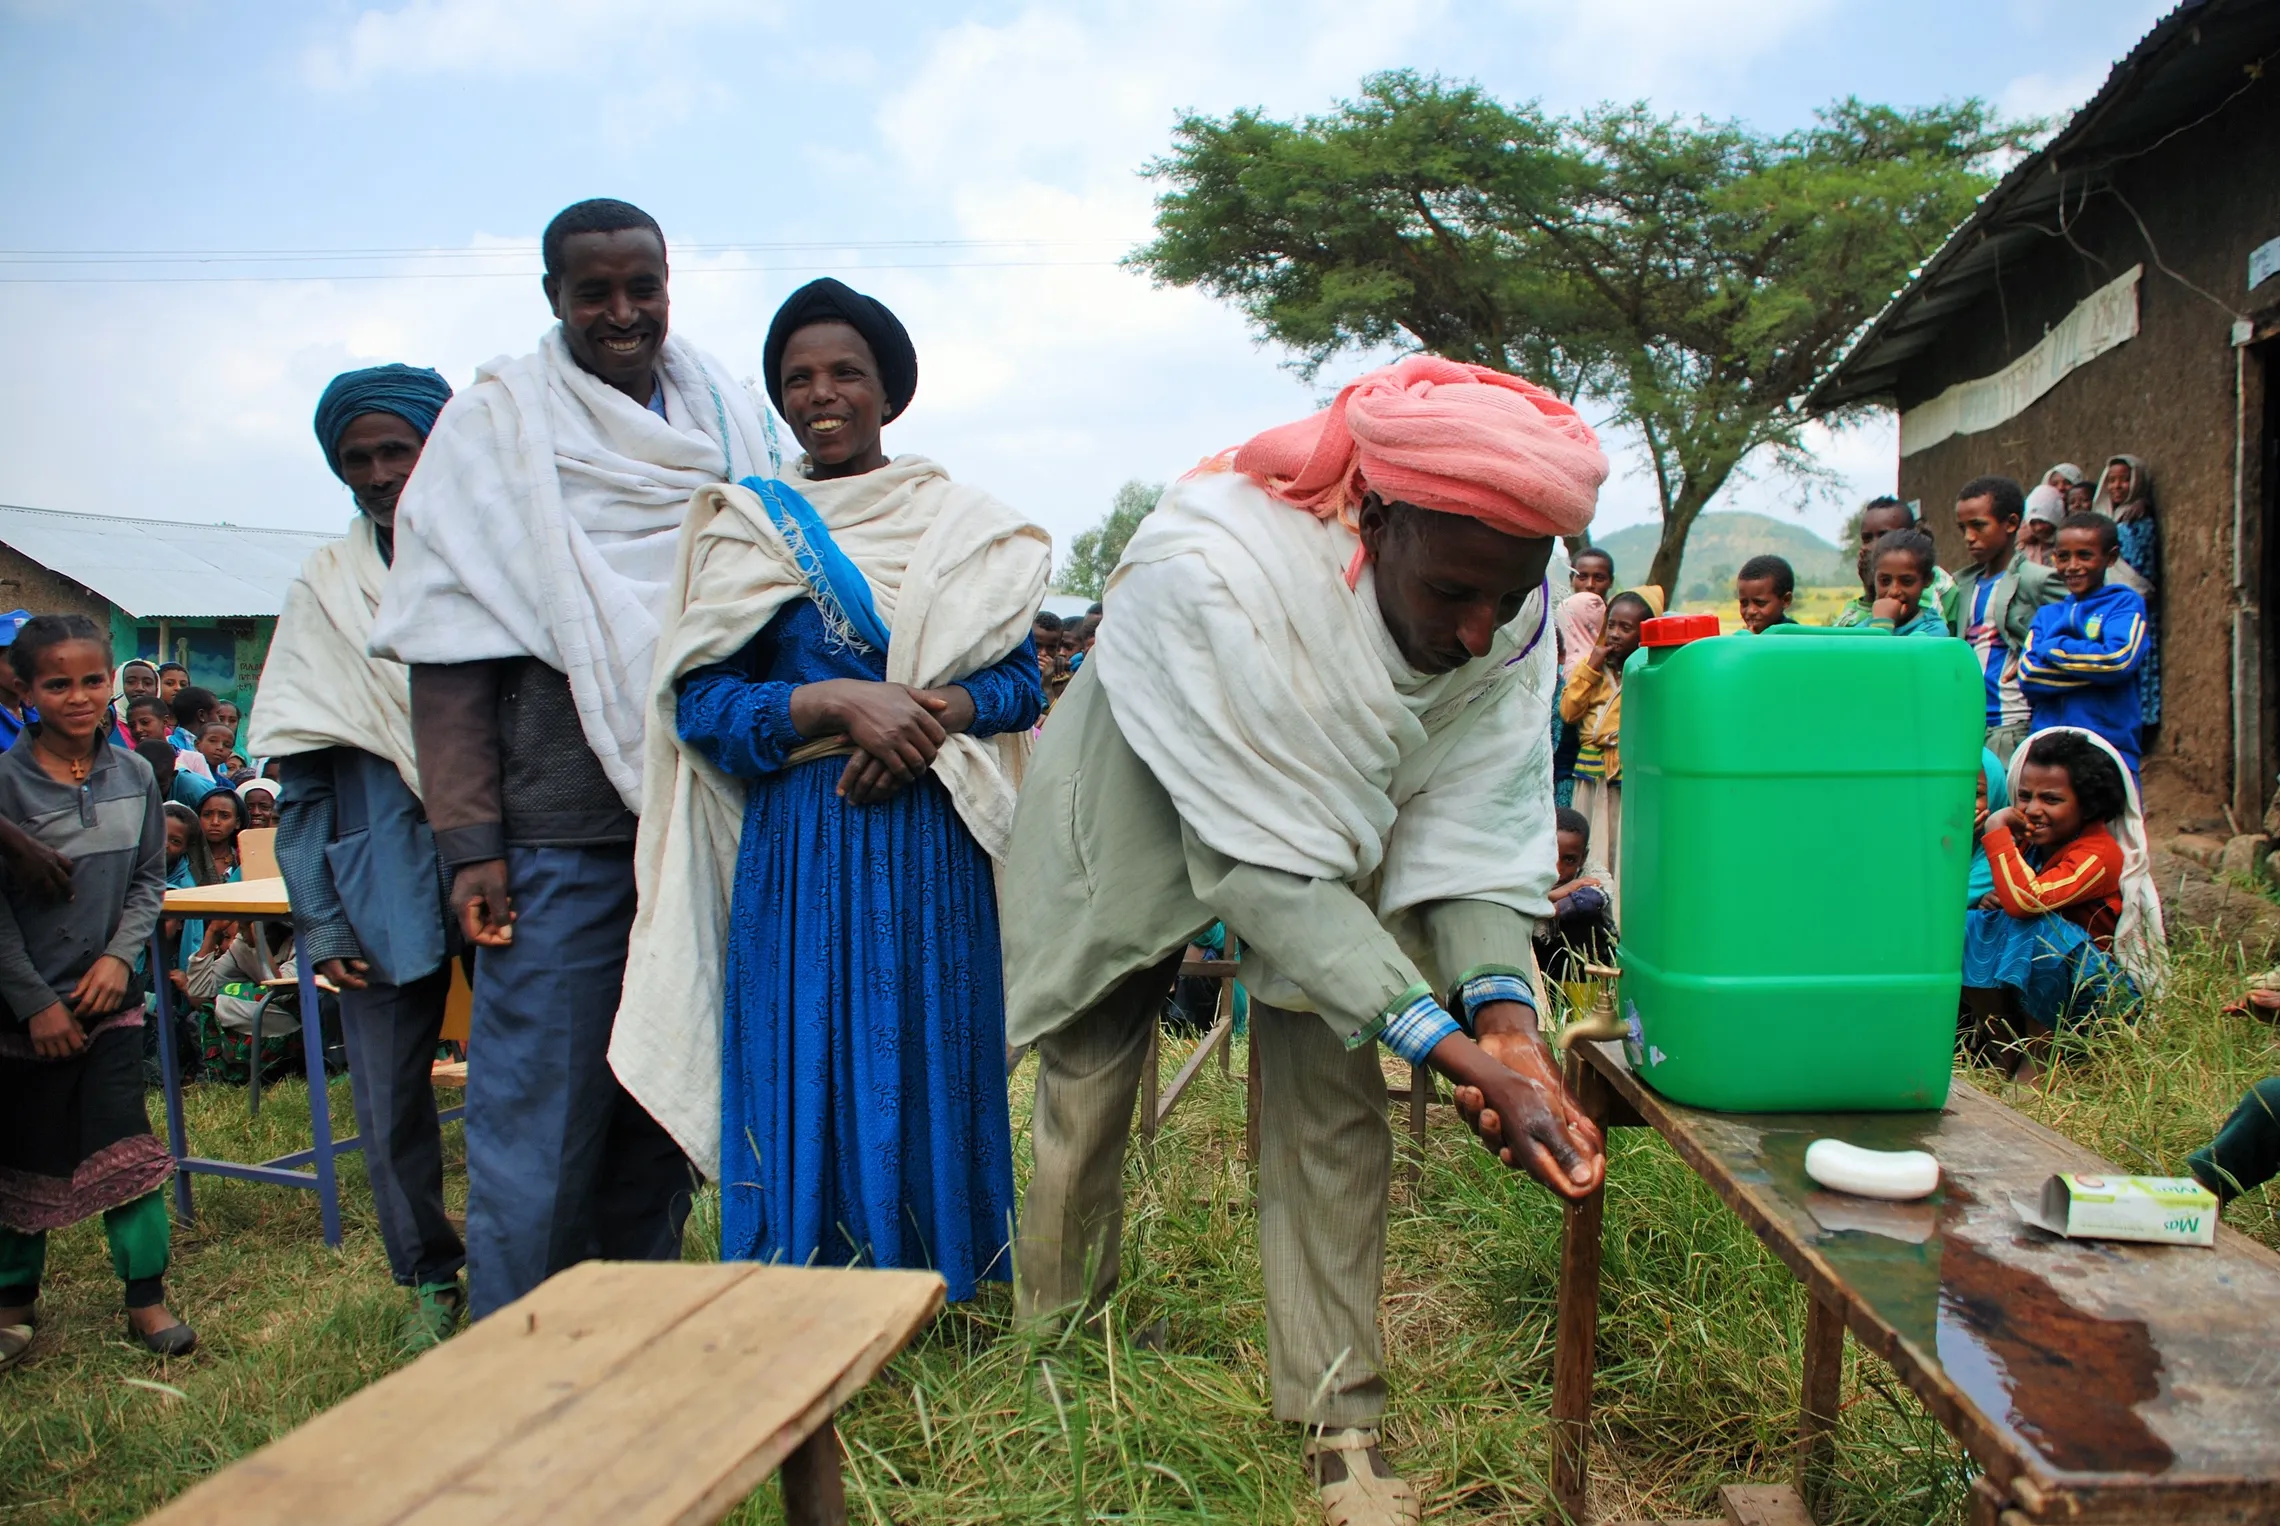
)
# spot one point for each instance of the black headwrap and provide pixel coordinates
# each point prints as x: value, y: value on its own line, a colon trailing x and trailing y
x: 829, y: 301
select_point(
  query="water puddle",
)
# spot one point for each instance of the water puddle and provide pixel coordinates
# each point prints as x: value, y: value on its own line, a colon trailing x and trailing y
x: 2065, y: 1380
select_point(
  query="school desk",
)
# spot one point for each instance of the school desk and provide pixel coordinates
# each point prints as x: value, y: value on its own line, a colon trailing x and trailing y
x: 258, y: 901
x: 2091, y: 1381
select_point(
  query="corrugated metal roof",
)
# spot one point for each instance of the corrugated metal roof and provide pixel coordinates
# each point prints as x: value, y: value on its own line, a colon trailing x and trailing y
x: 2194, y: 59
x: 154, y: 567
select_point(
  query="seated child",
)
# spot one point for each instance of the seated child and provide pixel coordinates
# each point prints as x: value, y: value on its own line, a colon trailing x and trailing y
x: 2080, y: 664
x: 259, y: 796
x: 2246, y: 1152
x: 1582, y: 929
x: 2076, y: 925
x: 1763, y: 588
x: 1592, y: 701
x: 1901, y: 566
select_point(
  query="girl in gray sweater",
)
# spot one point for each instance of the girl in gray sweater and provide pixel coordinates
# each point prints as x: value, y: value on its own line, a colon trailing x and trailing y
x: 75, y: 1140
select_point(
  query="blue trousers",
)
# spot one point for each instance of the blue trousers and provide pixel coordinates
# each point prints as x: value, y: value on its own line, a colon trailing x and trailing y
x: 562, y: 1165
x: 391, y: 1032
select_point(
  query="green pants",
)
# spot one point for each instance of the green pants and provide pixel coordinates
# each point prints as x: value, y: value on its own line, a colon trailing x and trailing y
x: 1325, y: 1164
x: 139, y: 1233
x: 2246, y: 1152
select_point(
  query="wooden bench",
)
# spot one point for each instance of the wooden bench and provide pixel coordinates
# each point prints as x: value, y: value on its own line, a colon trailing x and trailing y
x: 2090, y: 1381
x: 618, y: 1392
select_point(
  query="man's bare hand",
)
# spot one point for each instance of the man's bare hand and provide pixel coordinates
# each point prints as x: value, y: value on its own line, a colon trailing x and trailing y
x: 480, y: 901
x: 347, y: 974
x: 1509, y: 1090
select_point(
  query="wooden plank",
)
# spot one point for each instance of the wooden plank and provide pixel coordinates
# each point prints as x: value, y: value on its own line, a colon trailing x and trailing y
x: 815, y: 1491
x: 1576, y: 1323
x: 701, y: 1416
x: 2092, y: 1381
x: 352, y: 1463
x: 1208, y: 969
x: 245, y: 898
x: 1819, y: 1397
x: 1763, y: 1505
x: 638, y: 1392
x: 1221, y: 1034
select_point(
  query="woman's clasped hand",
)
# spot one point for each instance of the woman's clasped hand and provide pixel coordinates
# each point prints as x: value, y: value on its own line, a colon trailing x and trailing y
x: 896, y: 729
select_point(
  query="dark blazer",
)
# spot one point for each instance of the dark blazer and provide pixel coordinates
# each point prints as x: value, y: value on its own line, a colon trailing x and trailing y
x: 360, y: 864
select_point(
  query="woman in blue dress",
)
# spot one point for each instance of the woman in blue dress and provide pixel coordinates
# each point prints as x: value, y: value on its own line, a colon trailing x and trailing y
x: 853, y: 658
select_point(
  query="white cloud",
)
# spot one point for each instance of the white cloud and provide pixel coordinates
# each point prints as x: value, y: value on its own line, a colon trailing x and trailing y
x: 1626, y: 49
x: 2053, y: 98
x: 1048, y: 384
x: 518, y: 38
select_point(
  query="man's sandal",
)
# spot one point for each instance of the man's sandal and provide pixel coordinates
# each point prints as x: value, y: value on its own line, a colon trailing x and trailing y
x: 1354, y: 1484
x: 15, y: 1340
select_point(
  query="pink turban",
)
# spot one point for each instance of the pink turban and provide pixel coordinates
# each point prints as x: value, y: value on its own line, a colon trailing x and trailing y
x: 1441, y: 435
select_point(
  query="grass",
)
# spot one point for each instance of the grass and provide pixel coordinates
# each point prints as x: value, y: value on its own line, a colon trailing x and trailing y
x: 979, y: 1423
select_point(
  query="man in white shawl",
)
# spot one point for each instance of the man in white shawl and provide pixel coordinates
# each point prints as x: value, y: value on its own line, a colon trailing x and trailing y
x: 352, y: 842
x: 1319, y: 710
x: 534, y: 559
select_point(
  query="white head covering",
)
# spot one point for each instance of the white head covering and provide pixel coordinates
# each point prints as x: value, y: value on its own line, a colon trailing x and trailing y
x: 2046, y: 503
x: 2065, y: 471
x: 2141, y: 939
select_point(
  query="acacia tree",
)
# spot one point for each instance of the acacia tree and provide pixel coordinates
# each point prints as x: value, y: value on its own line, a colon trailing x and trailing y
x: 1692, y: 276
x: 1094, y: 553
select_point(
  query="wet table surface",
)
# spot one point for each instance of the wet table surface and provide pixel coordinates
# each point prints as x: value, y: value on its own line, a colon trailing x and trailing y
x: 2093, y: 1380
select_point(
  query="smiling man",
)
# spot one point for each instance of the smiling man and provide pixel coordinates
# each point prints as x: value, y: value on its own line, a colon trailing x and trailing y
x: 534, y: 560
x: 1318, y: 710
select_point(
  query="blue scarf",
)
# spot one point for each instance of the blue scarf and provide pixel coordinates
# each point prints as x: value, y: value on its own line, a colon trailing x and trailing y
x: 1982, y: 881
x: 837, y: 585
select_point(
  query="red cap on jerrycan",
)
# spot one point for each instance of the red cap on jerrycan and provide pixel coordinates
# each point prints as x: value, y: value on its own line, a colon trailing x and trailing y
x: 1676, y: 630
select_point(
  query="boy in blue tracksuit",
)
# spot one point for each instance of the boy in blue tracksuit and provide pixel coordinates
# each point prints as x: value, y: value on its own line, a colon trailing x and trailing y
x: 2080, y: 664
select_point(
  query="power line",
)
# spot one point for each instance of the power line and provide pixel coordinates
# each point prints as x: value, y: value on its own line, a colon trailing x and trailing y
x: 534, y: 273
x: 512, y: 251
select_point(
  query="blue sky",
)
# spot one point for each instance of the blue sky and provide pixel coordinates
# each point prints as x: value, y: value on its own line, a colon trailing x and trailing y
x: 974, y: 166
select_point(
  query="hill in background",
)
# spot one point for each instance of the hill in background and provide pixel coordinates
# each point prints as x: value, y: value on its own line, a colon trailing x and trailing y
x: 1719, y: 544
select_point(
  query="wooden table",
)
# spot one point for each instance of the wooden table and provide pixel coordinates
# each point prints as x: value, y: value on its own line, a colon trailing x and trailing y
x: 253, y: 901
x: 2093, y: 1381
x: 633, y: 1392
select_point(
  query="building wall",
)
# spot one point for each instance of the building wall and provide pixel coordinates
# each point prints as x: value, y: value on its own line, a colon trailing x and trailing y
x: 2206, y: 197
x: 225, y: 656
x: 25, y: 584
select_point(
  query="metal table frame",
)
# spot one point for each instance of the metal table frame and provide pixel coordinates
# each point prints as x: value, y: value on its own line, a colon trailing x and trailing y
x: 254, y: 901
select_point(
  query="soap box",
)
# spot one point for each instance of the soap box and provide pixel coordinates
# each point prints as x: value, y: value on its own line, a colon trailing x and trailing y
x: 2165, y: 1210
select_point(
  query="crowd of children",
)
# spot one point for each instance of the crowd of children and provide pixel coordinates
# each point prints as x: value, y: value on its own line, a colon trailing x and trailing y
x: 2055, y: 599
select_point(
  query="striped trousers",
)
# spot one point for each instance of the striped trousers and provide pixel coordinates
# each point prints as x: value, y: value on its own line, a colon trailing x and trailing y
x: 1325, y: 1164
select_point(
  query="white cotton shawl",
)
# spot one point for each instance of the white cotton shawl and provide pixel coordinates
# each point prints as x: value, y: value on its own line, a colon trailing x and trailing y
x: 1271, y: 702
x: 2141, y: 936
x: 541, y: 522
x: 956, y: 577
x: 320, y: 688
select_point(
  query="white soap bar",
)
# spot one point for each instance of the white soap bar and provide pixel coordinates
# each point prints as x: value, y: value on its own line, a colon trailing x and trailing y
x: 1898, y: 1176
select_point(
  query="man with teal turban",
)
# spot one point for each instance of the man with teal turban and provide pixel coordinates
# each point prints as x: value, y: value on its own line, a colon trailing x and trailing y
x: 353, y: 842
x: 371, y: 425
